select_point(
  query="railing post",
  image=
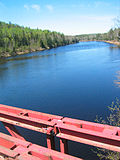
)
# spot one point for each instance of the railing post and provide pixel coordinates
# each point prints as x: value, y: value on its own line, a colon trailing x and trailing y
x: 64, y: 145
x: 50, y: 142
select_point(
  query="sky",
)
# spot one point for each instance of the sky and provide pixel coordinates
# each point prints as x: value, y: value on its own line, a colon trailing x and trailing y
x: 71, y: 17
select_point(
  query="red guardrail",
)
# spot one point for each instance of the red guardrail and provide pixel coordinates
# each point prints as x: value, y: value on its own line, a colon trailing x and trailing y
x: 22, y: 150
x: 90, y: 133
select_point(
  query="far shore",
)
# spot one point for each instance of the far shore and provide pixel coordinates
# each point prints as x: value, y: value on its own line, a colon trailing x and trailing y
x: 107, y: 41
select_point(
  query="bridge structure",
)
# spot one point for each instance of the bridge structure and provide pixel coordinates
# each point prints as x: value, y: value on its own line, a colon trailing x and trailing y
x: 14, y: 146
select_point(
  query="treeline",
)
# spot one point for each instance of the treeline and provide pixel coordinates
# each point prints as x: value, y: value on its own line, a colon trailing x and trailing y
x: 15, y: 39
x: 112, y: 35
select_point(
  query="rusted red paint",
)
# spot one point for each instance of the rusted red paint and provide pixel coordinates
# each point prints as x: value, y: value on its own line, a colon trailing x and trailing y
x: 90, y: 133
x: 20, y: 149
x: 13, y: 131
x: 63, y: 145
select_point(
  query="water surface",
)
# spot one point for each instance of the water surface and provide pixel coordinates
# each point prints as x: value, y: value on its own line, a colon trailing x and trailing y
x: 77, y: 80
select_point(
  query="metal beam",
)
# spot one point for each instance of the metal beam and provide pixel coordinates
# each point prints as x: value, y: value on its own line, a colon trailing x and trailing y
x: 90, y: 133
x: 13, y: 131
x: 27, y: 151
x: 99, y: 135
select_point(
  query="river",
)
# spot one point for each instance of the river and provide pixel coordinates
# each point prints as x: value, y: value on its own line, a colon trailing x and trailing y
x: 78, y: 80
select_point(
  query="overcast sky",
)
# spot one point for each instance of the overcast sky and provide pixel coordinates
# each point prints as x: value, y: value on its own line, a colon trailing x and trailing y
x: 70, y: 17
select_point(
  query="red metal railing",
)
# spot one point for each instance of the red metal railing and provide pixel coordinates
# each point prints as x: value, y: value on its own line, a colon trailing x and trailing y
x: 90, y: 133
x: 19, y: 149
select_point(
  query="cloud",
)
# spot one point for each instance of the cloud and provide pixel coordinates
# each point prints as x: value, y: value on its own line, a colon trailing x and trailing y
x: 36, y: 7
x: 33, y: 6
x: 97, y: 18
x: 26, y: 7
x: 49, y: 7
x: 101, y: 3
x: 80, y: 5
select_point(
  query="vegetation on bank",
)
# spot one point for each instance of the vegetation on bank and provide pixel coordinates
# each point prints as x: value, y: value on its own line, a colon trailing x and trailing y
x: 112, y: 35
x: 15, y: 39
x: 114, y: 120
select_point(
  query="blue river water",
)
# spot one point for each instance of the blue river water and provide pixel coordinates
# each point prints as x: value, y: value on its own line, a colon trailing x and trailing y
x: 78, y: 80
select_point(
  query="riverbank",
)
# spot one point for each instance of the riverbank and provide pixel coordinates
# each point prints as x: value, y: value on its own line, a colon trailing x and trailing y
x: 27, y: 51
x: 17, y: 40
x: 113, y: 42
x: 18, y: 52
x: 7, y: 54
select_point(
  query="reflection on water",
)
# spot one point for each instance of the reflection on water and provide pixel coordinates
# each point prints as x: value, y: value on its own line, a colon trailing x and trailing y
x: 117, y: 80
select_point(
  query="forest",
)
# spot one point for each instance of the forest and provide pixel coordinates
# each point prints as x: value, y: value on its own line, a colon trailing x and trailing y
x: 15, y: 39
x: 112, y: 35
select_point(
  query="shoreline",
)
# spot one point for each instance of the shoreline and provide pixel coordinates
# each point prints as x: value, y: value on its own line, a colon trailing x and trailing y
x: 106, y: 41
x: 7, y: 55
x: 113, y: 42
x: 17, y: 53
